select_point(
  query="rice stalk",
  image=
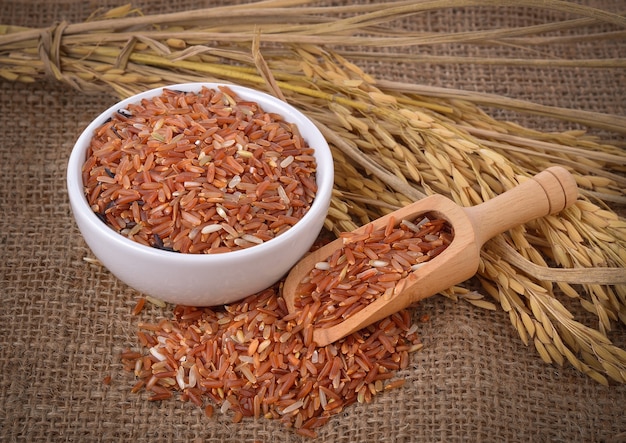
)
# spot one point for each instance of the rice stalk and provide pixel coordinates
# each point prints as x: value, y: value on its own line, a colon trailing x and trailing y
x: 394, y: 142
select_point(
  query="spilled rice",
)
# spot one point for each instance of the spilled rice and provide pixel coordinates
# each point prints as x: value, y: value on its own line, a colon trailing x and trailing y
x: 254, y: 359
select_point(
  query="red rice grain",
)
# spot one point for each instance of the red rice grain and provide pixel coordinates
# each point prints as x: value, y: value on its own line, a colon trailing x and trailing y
x: 202, y: 172
x: 209, y: 410
x: 139, y: 306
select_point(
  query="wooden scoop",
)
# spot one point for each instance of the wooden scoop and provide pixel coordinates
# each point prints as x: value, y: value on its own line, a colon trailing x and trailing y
x: 546, y: 193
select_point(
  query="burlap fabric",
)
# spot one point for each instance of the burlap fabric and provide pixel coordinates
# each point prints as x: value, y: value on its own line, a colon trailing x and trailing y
x: 64, y: 322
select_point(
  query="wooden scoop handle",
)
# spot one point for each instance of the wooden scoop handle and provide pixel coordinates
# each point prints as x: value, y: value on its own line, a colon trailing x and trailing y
x: 548, y: 192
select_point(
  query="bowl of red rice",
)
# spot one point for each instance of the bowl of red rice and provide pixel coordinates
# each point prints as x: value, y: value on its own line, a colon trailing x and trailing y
x: 200, y: 194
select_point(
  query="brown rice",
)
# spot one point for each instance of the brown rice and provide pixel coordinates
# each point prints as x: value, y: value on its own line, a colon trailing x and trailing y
x: 252, y: 359
x: 368, y: 266
x: 202, y: 172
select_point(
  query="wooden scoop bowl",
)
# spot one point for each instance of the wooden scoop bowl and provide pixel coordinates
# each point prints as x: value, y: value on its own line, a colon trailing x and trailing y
x: 546, y: 193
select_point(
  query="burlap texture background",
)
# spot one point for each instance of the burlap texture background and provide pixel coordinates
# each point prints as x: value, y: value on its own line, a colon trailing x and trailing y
x: 63, y: 322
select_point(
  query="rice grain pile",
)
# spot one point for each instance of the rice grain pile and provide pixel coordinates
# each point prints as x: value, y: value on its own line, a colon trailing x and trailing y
x: 254, y: 359
x: 202, y: 172
x: 368, y: 266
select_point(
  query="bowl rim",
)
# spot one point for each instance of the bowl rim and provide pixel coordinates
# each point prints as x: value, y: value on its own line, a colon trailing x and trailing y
x: 319, y: 206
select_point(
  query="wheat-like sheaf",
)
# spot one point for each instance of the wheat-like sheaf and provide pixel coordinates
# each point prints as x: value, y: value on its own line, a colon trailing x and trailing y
x: 394, y: 142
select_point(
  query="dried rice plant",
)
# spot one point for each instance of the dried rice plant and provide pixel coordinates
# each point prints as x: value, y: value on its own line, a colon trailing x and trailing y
x: 395, y: 142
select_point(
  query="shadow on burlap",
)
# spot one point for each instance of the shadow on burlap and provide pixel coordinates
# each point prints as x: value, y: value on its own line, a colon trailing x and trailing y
x: 65, y: 321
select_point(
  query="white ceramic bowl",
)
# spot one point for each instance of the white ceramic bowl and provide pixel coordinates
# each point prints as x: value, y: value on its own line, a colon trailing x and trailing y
x: 202, y: 279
